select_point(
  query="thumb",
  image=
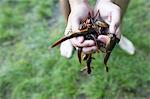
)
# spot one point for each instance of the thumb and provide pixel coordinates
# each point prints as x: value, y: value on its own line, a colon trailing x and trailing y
x: 75, y: 28
x: 68, y: 28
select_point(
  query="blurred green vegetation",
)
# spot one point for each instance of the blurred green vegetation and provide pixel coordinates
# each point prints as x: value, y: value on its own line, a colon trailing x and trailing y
x: 28, y: 70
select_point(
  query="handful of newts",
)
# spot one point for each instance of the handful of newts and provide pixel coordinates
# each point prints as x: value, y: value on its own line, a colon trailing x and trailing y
x: 90, y: 29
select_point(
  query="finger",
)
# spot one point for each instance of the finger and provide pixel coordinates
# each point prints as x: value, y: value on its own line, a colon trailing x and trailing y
x: 77, y: 42
x: 118, y: 32
x: 68, y: 28
x: 103, y: 38
x: 88, y: 50
x: 86, y: 43
x: 112, y: 28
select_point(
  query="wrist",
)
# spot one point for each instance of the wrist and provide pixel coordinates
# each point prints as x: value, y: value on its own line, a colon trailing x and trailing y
x: 75, y: 3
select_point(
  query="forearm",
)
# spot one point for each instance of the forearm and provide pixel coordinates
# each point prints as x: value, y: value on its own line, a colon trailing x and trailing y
x: 67, y: 5
x: 123, y: 4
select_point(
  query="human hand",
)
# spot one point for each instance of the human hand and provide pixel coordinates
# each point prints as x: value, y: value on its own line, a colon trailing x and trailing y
x: 79, y: 13
x: 111, y: 14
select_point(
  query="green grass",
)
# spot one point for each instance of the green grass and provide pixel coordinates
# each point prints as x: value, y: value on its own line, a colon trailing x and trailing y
x: 28, y: 70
